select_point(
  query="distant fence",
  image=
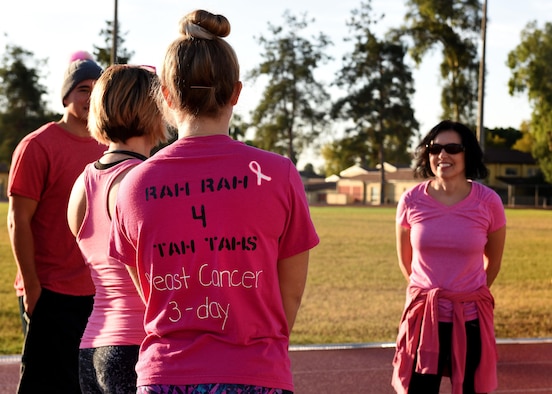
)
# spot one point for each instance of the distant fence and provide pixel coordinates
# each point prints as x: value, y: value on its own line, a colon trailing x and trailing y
x: 530, y: 195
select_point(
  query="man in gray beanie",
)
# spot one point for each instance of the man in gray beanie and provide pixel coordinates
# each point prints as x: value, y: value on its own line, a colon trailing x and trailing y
x: 53, y: 283
x: 78, y: 71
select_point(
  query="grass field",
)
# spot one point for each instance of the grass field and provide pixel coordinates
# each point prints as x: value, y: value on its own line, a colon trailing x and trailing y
x: 355, y: 291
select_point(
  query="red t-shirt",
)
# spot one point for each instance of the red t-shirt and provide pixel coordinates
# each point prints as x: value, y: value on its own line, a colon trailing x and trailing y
x: 44, y: 167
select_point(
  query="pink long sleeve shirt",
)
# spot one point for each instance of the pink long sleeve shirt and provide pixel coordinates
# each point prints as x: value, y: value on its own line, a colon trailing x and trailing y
x: 417, y: 338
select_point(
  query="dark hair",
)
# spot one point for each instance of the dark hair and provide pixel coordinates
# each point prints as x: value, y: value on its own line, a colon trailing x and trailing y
x: 473, y: 155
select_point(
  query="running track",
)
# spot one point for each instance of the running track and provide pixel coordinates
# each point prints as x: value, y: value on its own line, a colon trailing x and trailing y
x: 524, y: 367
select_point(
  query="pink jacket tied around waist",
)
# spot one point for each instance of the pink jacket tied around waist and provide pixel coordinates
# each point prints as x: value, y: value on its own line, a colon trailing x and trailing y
x: 418, y: 338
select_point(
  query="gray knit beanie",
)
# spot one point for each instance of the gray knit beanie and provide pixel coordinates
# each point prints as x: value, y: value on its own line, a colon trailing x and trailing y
x: 79, y: 70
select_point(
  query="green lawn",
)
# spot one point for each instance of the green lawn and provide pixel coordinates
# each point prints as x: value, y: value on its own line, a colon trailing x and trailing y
x: 355, y: 291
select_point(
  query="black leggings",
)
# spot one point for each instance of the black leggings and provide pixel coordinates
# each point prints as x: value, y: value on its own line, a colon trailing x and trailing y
x: 430, y: 384
x: 108, y: 369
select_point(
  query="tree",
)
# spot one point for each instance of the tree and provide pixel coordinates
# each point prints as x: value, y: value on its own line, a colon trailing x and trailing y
x: 531, y: 66
x: 237, y: 128
x: 103, y: 54
x: 525, y: 143
x: 309, y: 169
x: 343, y: 153
x: 456, y: 26
x: 379, y: 85
x: 22, y: 107
x: 500, y: 137
x: 292, y: 108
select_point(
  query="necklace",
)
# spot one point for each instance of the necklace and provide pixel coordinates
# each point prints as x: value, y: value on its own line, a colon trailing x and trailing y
x: 128, y: 153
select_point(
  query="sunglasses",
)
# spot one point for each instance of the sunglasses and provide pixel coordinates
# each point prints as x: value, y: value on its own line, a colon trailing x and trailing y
x: 151, y: 69
x: 451, y: 149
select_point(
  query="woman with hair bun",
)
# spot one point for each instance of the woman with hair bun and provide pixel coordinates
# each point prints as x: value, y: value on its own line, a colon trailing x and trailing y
x: 215, y: 233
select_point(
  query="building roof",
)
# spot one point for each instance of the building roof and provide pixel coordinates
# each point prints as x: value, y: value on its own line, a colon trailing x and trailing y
x: 495, y: 155
x: 392, y: 173
x: 521, y: 181
x: 320, y: 186
x: 402, y: 174
x: 310, y: 175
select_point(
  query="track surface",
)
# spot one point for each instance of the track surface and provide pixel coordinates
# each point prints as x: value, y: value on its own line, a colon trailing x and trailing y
x: 525, y: 367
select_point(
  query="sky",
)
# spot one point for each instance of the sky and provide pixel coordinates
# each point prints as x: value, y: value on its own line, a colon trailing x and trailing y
x: 54, y: 29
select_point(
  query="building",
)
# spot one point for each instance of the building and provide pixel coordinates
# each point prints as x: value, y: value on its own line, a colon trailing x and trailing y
x: 317, y: 187
x: 360, y: 185
x: 515, y: 175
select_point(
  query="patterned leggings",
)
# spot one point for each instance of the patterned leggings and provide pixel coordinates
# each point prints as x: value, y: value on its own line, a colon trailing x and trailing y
x: 108, y: 369
x: 213, y: 388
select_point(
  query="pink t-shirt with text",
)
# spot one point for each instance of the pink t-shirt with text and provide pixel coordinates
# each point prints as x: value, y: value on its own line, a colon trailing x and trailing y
x: 205, y: 221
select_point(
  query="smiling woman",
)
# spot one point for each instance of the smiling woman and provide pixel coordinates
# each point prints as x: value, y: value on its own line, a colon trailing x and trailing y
x: 450, y: 184
x: 450, y: 235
